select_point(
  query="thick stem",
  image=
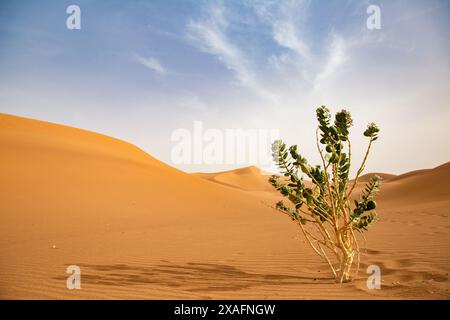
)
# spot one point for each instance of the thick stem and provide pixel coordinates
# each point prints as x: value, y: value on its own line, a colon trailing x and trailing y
x: 345, y: 267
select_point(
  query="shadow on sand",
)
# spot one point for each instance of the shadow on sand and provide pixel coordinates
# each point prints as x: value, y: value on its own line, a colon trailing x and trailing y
x: 190, y: 277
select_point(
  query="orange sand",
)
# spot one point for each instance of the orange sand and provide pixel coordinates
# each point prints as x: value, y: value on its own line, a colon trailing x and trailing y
x: 140, y: 229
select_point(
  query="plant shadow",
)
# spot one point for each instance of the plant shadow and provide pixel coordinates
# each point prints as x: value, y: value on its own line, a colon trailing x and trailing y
x: 202, y: 277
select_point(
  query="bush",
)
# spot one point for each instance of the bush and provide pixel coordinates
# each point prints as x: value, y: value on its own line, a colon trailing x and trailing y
x: 323, y: 208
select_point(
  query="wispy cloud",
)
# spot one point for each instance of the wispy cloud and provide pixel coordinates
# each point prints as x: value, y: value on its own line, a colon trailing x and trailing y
x: 291, y: 59
x: 285, y: 34
x: 210, y: 36
x: 336, y: 57
x: 285, y: 19
x: 151, y: 63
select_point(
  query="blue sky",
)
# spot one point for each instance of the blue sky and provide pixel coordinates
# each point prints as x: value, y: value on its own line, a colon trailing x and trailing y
x: 138, y: 70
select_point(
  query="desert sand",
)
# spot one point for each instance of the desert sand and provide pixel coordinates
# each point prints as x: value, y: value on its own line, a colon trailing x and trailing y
x: 140, y: 229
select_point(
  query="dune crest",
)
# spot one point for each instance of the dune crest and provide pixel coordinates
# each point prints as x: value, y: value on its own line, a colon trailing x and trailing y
x: 416, y: 186
x: 420, y: 186
x: 384, y: 176
x: 246, y: 178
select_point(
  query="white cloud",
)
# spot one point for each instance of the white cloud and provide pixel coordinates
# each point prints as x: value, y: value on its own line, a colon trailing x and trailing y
x: 285, y: 34
x: 286, y: 19
x: 210, y: 36
x: 294, y: 66
x: 151, y: 63
x: 336, y: 57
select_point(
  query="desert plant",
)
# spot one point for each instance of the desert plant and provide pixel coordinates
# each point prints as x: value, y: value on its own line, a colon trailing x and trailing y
x: 322, y: 206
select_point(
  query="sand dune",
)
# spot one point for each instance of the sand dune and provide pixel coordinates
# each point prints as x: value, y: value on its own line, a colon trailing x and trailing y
x: 419, y: 187
x: 141, y: 229
x: 248, y: 178
x: 384, y: 176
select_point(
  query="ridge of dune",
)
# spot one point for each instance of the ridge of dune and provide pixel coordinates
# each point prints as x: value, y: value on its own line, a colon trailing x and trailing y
x: 443, y: 168
x: 415, y: 186
x: 238, y: 171
x: 26, y: 132
x: 384, y: 176
x: 419, y: 186
x: 249, y: 178
x: 48, y: 153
